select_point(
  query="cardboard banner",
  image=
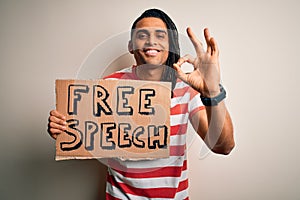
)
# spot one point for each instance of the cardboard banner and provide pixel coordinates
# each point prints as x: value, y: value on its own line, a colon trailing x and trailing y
x: 128, y: 119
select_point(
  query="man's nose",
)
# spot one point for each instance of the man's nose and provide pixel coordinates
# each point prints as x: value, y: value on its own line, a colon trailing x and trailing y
x: 152, y: 40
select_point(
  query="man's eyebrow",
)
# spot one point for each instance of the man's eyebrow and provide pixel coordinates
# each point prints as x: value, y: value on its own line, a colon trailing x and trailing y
x: 161, y: 31
x: 147, y: 31
x: 142, y: 30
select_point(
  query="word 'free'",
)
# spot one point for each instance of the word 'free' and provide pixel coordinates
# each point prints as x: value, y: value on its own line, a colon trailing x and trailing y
x: 100, y: 104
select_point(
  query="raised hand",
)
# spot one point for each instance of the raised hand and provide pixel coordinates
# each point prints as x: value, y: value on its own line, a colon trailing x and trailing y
x: 206, y: 75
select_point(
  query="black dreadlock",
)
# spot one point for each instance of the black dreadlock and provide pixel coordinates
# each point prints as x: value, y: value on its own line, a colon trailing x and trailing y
x: 174, y: 50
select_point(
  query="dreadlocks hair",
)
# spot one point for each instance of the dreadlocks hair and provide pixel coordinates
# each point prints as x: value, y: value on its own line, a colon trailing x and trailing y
x: 174, y: 50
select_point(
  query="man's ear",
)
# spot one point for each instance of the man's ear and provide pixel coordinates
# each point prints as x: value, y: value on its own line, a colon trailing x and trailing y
x: 130, y: 47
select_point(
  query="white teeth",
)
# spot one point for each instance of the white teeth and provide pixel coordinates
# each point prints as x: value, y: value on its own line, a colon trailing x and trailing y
x: 151, y: 52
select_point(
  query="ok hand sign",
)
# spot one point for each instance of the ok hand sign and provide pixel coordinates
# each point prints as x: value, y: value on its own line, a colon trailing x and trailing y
x: 206, y: 75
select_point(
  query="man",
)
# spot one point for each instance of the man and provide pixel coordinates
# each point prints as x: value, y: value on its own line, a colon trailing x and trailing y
x: 197, y: 96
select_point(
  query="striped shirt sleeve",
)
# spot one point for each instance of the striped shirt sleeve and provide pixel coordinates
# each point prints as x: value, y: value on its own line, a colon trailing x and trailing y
x: 195, y: 103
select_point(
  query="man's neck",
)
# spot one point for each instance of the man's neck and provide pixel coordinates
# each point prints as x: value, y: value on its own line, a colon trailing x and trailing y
x: 150, y: 72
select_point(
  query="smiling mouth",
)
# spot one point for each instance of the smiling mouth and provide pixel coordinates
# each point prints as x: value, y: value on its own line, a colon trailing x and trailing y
x: 151, y: 52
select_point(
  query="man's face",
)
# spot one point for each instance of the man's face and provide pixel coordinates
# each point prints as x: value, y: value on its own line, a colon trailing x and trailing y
x: 150, y: 42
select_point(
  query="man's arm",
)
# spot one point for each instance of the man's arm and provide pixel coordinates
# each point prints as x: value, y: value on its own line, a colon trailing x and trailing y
x: 214, y: 126
x: 213, y: 123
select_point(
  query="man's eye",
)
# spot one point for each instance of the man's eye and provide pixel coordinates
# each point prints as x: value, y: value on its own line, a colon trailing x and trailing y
x: 161, y: 36
x: 142, y: 36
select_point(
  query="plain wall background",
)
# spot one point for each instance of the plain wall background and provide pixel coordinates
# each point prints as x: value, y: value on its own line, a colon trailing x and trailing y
x: 259, y: 42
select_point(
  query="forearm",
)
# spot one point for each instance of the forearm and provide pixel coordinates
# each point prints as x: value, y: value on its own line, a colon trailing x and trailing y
x: 219, y: 136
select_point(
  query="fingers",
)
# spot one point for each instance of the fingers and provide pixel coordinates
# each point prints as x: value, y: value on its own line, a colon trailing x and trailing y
x: 207, y: 39
x: 54, y: 132
x: 186, y: 58
x: 177, y: 66
x: 197, y: 44
x: 212, y: 47
x: 180, y: 74
x: 57, y: 123
x: 57, y: 114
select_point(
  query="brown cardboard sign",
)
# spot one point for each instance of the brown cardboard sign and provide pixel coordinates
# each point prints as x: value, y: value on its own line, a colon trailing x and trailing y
x: 128, y: 119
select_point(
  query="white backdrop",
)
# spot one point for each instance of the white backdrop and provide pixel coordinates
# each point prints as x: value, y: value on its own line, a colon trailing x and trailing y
x: 45, y: 40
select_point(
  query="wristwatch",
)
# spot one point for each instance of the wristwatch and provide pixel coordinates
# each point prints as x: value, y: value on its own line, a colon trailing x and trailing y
x: 214, y: 100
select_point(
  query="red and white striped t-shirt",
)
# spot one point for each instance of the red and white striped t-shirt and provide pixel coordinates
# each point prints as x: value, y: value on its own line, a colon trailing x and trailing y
x: 165, y: 178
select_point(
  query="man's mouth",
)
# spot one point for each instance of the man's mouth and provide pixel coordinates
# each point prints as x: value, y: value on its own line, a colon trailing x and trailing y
x: 151, y: 52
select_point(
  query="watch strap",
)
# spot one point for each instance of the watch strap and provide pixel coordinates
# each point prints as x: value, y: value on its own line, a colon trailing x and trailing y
x: 213, y: 101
